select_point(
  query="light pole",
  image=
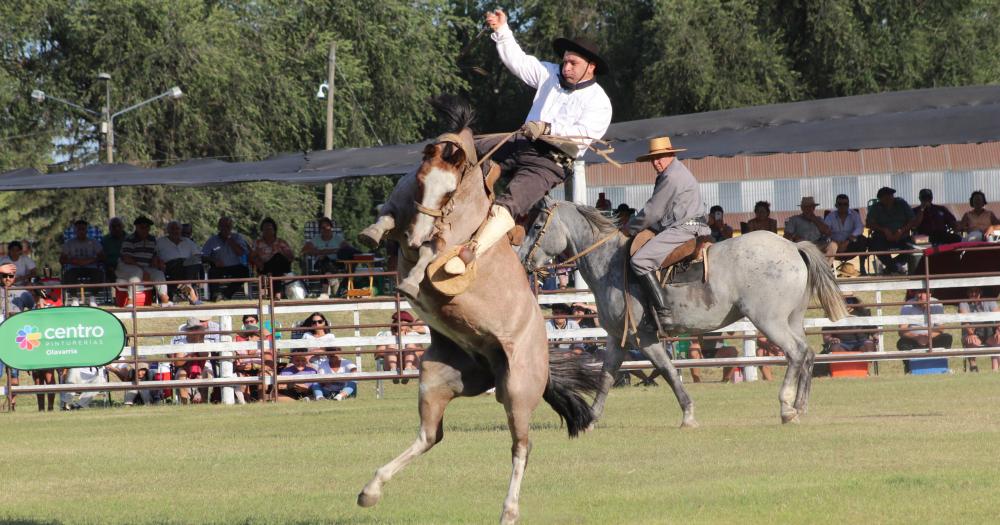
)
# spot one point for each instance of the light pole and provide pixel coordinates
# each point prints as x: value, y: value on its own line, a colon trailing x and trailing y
x: 107, y: 125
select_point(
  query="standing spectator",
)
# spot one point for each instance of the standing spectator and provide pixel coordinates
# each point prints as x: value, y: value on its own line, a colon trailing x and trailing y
x: 762, y: 220
x: 180, y: 259
x: 111, y: 245
x: 978, y: 223
x: 917, y: 335
x: 26, y: 268
x: 226, y: 252
x: 411, y: 351
x: 193, y: 364
x: 17, y: 300
x: 807, y: 226
x: 81, y: 257
x: 936, y: 222
x: 982, y: 336
x: 890, y: 221
x: 299, y: 367
x: 717, y: 223
x: 847, y: 230
x: 324, y: 248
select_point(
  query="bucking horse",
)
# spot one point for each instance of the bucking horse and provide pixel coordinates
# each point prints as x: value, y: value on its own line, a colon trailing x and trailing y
x: 486, y: 326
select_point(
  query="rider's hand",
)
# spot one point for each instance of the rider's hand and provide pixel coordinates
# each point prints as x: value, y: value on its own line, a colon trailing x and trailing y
x: 496, y: 19
x: 534, y: 129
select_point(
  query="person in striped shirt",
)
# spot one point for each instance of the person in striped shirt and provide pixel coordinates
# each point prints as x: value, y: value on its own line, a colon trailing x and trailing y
x: 138, y: 260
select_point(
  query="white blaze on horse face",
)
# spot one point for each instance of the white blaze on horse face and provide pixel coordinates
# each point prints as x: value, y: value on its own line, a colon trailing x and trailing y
x: 438, y: 184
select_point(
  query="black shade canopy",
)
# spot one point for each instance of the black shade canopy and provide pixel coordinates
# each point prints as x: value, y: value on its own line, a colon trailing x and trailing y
x: 903, y: 119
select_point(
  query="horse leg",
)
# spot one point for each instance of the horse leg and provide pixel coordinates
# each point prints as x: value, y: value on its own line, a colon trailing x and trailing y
x: 520, y: 390
x: 411, y: 285
x: 780, y: 334
x: 805, y: 378
x: 445, y: 372
x: 656, y: 353
x: 372, y: 235
x: 613, y: 358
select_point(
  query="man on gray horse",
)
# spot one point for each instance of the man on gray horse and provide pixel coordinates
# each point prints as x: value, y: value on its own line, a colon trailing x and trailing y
x: 675, y: 212
x: 568, y: 103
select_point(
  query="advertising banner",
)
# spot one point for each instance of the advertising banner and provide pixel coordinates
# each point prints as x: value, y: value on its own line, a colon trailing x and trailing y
x: 61, y: 337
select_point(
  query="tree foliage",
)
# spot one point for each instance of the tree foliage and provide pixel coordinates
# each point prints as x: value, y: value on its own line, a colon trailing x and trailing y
x: 249, y: 71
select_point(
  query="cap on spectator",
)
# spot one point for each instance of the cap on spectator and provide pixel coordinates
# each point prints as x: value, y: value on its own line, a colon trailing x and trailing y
x: 925, y: 193
x: 402, y: 317
x: 885, y: 190
x: 193, y: 323
x: 142, y: 220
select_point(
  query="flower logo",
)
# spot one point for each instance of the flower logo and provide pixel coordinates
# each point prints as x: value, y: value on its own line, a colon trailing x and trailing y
x: 28, y: 338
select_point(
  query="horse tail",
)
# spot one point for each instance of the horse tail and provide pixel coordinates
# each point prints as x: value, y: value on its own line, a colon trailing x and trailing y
x: 822, y: 282
x: 454, y: 113
x: 570, y: 378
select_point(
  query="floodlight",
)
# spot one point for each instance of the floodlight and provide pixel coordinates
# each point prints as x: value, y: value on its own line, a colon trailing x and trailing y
x: 322, y: 91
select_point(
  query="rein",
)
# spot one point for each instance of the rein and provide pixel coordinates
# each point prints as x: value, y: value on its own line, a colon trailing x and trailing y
x: 586, y: 251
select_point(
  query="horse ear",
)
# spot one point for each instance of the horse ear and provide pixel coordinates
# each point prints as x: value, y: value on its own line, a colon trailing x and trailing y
x: 430, y: 151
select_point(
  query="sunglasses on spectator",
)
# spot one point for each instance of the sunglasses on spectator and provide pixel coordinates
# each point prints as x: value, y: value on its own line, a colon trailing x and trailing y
x: 7, y: 276
x: 317, y: 321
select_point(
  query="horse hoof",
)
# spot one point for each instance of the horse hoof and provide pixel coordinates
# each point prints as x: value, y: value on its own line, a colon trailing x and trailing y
x: 370, y: 237
x: 590, y: 427
x: 409, y: 289
x: 790, y: 418
x: 689, y: 424
x: 367, y: 499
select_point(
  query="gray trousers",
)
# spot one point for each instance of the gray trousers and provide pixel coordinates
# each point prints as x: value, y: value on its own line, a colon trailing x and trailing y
x: 531, y: 169
x: 650, y: 256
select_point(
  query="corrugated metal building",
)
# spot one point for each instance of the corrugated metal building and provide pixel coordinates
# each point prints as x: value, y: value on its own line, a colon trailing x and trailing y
x: 952, y: 172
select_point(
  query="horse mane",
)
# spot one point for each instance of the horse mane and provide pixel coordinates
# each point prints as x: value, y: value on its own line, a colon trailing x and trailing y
x: 454, y: 113
x: 596, y: 218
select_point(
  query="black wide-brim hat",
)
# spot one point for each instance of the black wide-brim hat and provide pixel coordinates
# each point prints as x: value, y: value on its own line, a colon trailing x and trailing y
x: 584, y: 47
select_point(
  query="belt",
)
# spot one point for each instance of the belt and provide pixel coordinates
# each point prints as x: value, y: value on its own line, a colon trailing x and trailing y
x: 697, y: 221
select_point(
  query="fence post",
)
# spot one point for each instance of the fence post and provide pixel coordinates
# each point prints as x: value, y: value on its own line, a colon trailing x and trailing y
x: 750, y: 350
x: 226, y: 365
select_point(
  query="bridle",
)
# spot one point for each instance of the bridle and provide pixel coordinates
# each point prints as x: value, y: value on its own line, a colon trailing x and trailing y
x: 550, y: 212
x: 455, y: 141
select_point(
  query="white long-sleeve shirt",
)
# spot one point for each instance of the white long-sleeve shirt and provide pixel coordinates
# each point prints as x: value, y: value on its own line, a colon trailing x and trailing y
x: 583, y: 112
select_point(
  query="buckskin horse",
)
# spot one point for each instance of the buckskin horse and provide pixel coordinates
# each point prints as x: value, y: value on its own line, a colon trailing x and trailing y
x: 493, y: 333
x: 766, y: 278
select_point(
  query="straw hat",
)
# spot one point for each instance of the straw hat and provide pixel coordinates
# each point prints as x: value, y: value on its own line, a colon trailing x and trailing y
x: 659, y: 147
x: 808, y: 201
x: 447, y: 284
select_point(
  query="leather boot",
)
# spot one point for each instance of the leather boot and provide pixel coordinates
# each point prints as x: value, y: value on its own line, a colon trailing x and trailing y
x: 657, y: 299
x: 496, y: 228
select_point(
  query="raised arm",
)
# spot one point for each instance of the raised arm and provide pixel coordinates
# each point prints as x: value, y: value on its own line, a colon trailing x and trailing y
x: 525, y: 67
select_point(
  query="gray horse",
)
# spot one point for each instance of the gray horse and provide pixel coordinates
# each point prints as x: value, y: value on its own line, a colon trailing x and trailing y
x: 760, y: 276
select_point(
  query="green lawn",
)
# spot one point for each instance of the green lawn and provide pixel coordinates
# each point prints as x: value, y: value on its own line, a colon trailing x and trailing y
x: 890, y: 449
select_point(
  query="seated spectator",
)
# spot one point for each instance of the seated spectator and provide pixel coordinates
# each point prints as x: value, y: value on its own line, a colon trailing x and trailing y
x: 324, y: 248
x: 973, y: 337
x: 206, y: 322
x: 762, y: 220
x: 192, y: 364
x: 864, y: 339
x: 340, y: 390
x: 702, y: 348
x: 299, y: 367
x: 180, y: 260
x: 411, y: 351
x: 916, y: 335
x: 80, y: 376
x: 187, y: 231
x: 111, y: 245
x: 271, y: 255
x: 26, y: 268
x: 847, y: 230
x: 717, y: 223
x: 807, y: 226
x: 138, y: 260
x: 978, y: 223
x: 890, y: 221
x: 936, y: 222
x: 765, y: 348
x: 562, y: 323
x: 124, y: 372
x: 81, y: 257
x: 603, y: 203
x: 225, y: 252
x: 250, y: 363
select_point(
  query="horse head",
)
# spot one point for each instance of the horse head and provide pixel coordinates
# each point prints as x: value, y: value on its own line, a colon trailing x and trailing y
x: 438, y: 177
x: 545, y: 236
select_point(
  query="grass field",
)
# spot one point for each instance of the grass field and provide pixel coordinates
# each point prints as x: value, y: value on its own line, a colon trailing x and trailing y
x: 890, y: 449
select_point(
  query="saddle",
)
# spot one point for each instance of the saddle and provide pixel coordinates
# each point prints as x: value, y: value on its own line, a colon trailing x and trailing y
x: 684, y: 263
